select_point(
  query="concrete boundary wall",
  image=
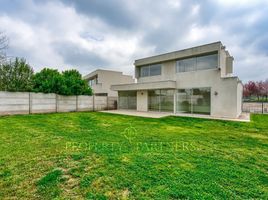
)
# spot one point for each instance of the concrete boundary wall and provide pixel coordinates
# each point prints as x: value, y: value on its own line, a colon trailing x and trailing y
x: 42, y: 103
x: 14, y: 103
x: 28, y: 102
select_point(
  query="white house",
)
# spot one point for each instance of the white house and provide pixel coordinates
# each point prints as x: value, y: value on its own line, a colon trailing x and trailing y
x: 197, y: 80
x: 101, y: 80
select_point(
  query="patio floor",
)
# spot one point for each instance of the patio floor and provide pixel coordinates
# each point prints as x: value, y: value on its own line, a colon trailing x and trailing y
x: 244, y: 117
x: 139, y: 113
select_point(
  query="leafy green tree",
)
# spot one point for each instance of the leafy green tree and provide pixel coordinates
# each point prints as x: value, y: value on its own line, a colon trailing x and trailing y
x: 16, y: 76
x: 69, y: 82
x: 73, y: 84
x: 3, y: 47
x: 47, y: 81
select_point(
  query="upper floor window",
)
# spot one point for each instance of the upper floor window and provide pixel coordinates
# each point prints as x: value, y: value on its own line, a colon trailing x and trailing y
x: 197, y: 63
x: 93, y: 81
x: 150, y: 70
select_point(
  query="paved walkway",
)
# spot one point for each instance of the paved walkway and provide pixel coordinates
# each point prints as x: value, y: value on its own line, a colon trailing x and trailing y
x: 245, y: 117
x: 138, y: 113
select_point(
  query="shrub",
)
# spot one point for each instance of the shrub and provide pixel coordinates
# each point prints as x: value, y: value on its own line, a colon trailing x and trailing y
x: 16, y: 76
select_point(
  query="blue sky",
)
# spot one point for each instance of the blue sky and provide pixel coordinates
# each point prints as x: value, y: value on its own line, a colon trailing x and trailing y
x: 111, y: 34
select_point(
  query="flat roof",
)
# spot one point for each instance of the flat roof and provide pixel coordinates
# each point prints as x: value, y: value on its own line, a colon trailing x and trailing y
x: 95, y: 72
x: 169, y: 84
x: 201, y: 49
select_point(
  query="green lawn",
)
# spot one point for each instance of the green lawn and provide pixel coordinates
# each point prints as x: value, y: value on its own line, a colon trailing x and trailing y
x: 91, y: 155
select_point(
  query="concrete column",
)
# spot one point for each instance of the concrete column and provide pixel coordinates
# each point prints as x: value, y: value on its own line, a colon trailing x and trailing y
x: 175, y: 102
x: 93, y: 99
x: 107, y: 102
x: 76, y: 102
x: 57, y: 103
x: 142, y: 100
x: 30, y: 102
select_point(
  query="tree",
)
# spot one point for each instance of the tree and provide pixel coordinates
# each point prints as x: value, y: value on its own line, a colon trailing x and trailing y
x: 260, y: 89
x: 256, y: 89
x: 47, y: 81
x: 3, y: 47
x: 73, y: 84
x: 250, y: 89
x: 246, y: 92
x: 69, y: 82
x: 16, y: 76
x: 265, y: 89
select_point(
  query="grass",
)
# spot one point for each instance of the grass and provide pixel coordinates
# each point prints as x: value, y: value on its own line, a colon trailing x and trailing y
x: 48, y: 185
x: 91, y: 155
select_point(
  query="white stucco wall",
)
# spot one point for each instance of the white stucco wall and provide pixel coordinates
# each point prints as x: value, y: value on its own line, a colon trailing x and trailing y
x: 106, y: 78
x: 239, y: 98
x: 142, y: 100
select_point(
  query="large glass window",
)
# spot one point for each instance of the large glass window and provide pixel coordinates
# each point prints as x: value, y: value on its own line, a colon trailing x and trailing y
x: 150, y: 70
x: 184, y: 101
x: 197, y: 63
x: 154, y: 100
x: 167, y: 100
x: 93, y: 81
x: 195, y: 100
x: 161, y: 100
x: 127, y: 100
x: 201, y: 100
x: 207, y: 62
x: 144, y: 71
x: 155, y: 70
x: 186, y: 65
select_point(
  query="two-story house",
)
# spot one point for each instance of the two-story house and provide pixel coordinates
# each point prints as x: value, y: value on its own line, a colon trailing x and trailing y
x: 101, y: 80
x: 197, y: 80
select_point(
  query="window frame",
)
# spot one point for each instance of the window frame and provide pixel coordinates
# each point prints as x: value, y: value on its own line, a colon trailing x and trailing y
x: 93, y: 81
x: 149, y: 70
x: 195, y: 67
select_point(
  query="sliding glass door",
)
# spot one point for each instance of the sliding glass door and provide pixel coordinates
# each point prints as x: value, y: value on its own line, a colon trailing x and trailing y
x: 201, y: 101
x: 127, y: 100
x: 161, y: 100
x: 196, y: 100
x: 184, y: 104
x: 154, y: 100
x: 166, y: 100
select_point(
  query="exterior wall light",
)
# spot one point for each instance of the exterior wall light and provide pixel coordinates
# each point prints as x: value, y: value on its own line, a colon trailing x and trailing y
x: 215, y: 93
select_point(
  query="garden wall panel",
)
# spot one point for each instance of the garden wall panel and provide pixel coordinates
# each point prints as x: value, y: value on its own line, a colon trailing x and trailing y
x: 66, y: 103
x: 14, y: 103
x: 100, y: 103
x: 43, y: 103
x: 112, y: 103
x: 85, y: 103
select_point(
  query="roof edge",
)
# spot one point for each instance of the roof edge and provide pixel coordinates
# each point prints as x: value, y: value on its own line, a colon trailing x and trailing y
x: 173, y: 52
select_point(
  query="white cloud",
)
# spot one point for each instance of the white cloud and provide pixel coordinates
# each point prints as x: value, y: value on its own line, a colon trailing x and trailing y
x: 200, y: 33
x: 174, y: 3
x: 31, y: 43
x: 58, y: 34
x: 61, y: 24
x: 243, y: 3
